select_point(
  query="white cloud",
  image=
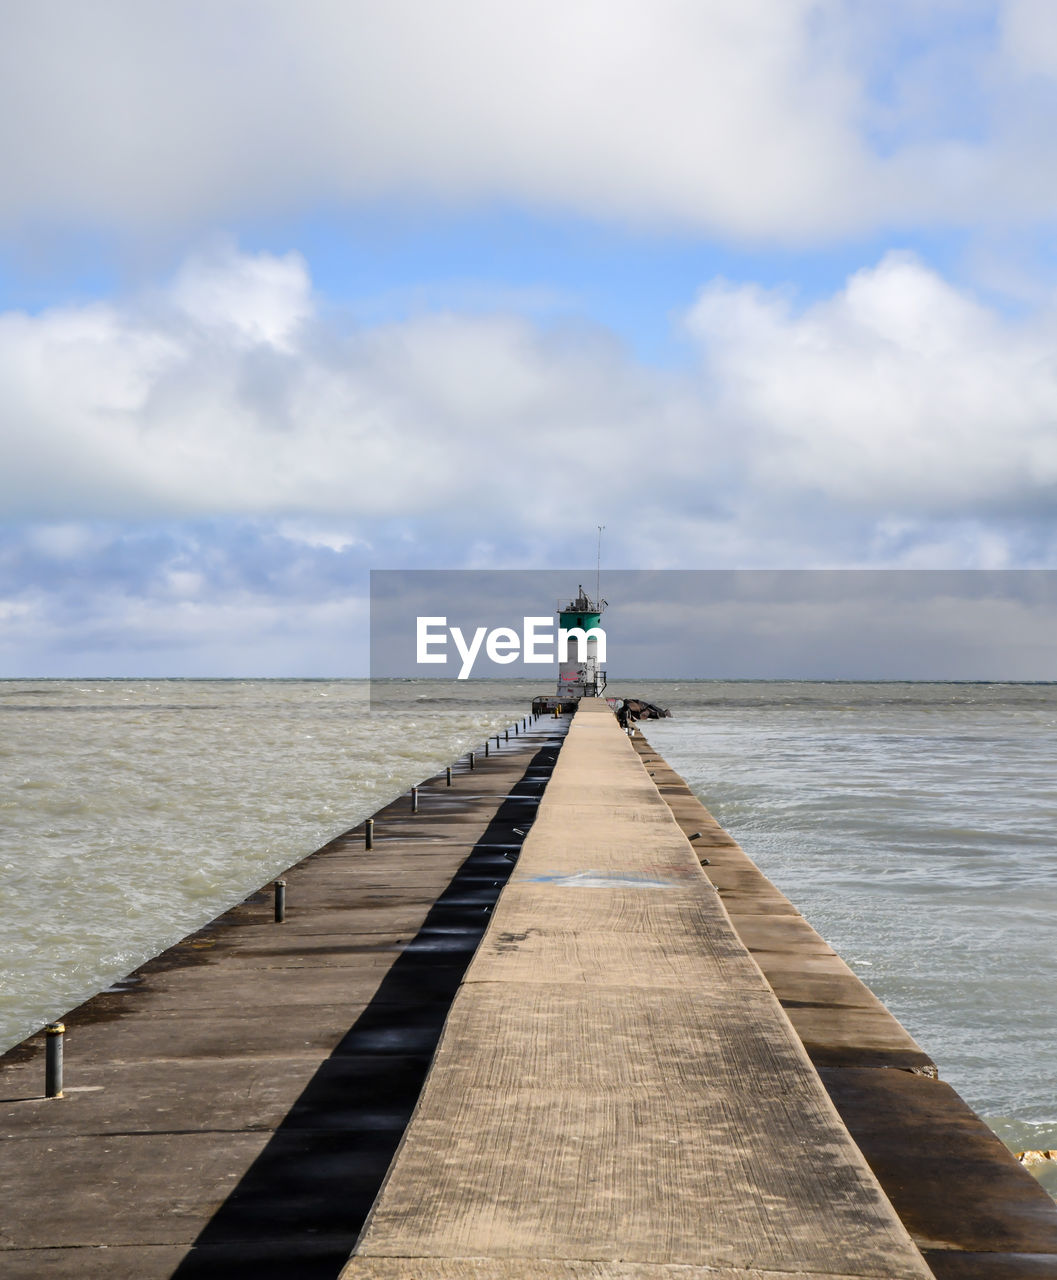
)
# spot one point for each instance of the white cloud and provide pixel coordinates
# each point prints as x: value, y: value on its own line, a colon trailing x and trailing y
x: 782, y: 119
x: 899, y: 419
x: 251, y: 301
x: 228, y: 395
x: 1029, y: 36
x: 899, y: 394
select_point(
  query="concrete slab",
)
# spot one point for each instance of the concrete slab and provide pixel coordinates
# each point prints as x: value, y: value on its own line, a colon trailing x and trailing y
x: 562, y: 1269
x: 743, y: 886
x: 948, y: 1265
x: 626, y: 1176
x: 968, y: 1192
x: 856, y: 1037
x: 525, y: 945
x: 192, y: 1094
x: 779, y: 933
x: 109, y: 1181
x: 92, y: 1262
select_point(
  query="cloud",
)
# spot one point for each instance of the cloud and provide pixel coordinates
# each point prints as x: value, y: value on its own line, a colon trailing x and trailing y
x: 221, y: 598
x: 774, y: 119
x: 1029, y: 36
x: 898, y: 394
x: 897, y: 415
x: 229, y: 393
x: 251, y: 302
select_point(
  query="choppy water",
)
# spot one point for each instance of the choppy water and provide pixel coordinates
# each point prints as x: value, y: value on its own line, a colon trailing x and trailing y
x: 914, y: 825
x: 135, y: 811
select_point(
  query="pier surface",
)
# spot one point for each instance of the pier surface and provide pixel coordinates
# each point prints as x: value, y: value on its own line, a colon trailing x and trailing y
x: 540, y: 1037
x: 231, y: 1108
x: 618, y: 1091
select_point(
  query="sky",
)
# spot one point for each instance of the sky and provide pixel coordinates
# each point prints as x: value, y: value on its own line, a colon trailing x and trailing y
x: 293, y: 292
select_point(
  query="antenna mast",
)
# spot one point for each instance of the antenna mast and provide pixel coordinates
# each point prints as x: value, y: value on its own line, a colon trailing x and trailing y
x: 598, y: 566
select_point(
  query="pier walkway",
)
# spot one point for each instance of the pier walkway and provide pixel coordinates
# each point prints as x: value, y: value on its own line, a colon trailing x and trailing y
x: 618, y: 1091
x: 540, y: 1037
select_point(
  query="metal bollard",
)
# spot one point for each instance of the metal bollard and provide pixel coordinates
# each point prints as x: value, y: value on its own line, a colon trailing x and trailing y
x: 486, y: 746
x: 517, y: 729
x: 414, y: 799
x: 368, y: 834
x: 448, y: 774
x: 473, y: 761
x: 53, y: 1060
x: 506, y: 735
x: 280, y: 901
x: 497, y: 741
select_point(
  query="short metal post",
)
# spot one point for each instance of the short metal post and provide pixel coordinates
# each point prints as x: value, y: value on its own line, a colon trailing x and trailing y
x: 280, y: 901
x: 473, y: 761
x: 517, y: 728
x: 414, y: 799
x: 486, y: 746
x: 53, y: 1060
x: 448, y: 774
x: 497, y: 741
x: 368, y: 834
x: 506, y: 735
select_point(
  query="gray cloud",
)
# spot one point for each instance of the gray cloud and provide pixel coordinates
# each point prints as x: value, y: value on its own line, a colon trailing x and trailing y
x: 220, y: 598
x: 780, y: 119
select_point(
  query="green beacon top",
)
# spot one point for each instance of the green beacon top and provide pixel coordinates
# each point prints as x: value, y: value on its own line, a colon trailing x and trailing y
x: 581, y: 612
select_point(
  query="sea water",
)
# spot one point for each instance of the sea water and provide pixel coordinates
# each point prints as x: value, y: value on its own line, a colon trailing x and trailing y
x: 133, y: 812
x: 912, y: 824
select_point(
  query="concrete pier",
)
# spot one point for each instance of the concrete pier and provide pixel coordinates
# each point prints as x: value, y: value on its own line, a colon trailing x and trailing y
x: 231, y: 1107
x: 618, y: 1091
x: 535, y: 1033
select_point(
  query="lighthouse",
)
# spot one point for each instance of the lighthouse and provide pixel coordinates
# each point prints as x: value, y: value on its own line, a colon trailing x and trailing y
x: 580, y: 675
